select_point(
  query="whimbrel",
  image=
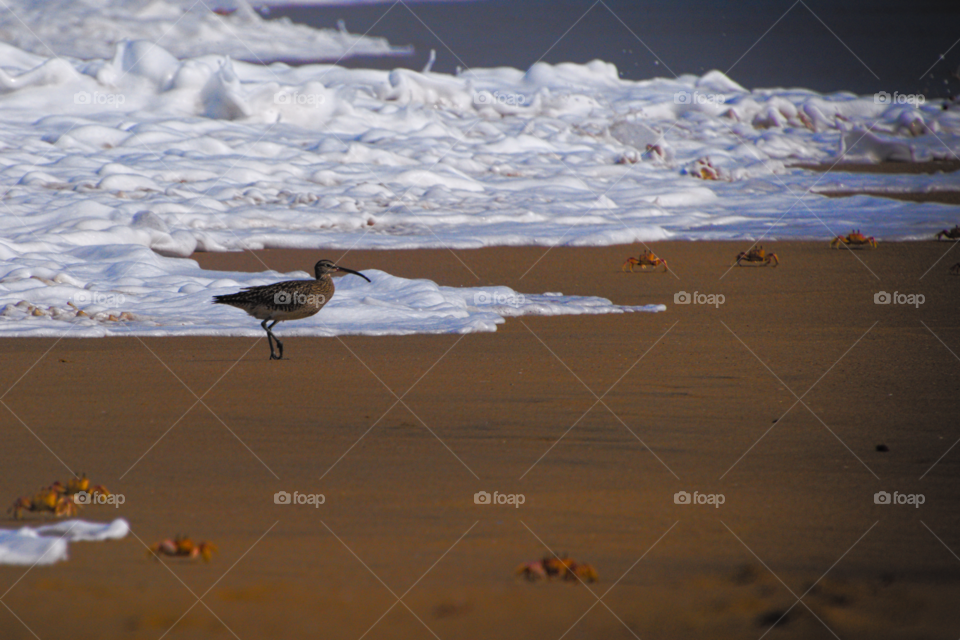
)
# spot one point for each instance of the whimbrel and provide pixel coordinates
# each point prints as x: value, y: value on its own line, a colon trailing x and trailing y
x: 290, y: 300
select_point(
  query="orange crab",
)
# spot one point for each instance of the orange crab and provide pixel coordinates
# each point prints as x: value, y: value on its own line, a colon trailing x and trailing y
x: 757, y: 257
x: 646, y: 259
x: 183, y: 547
x: 78, y: 484
x: 855, y: 239
x: 551, y: 567
x: 950, y: 234
x: 704, y: 170
x: 46, y: 500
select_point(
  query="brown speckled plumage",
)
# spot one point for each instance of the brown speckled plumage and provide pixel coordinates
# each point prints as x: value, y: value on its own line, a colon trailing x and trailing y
x: 290, y: 300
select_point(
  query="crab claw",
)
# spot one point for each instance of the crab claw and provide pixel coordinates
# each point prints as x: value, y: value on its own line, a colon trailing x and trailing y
x: 586, y: 573
x: 166, y: 547
x: 99, y: 488
x: 65, y: 507
x: 206, y: 550
x: 19, y: 506
x: 58, y: 487
x: 532, y: 571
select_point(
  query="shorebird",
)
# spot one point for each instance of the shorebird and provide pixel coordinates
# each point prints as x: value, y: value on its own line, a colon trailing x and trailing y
x: 290, y: 300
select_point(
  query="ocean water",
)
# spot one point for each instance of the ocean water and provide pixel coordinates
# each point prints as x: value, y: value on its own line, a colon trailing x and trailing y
x: 863, y: 46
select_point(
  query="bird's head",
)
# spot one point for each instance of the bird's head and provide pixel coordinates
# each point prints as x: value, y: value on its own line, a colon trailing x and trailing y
x: 327, y: 266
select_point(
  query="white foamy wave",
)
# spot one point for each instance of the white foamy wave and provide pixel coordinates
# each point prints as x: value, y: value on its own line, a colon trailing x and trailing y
x: 50, y: 295
x: 213, y: 154
x: 48, y: 544
x: 106, y: 163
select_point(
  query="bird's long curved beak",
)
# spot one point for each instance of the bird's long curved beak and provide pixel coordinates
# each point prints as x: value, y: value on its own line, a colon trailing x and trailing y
x: 356, y: 273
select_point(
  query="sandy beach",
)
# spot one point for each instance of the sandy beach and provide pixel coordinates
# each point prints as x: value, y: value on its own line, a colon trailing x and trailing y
x: 496, y: 432
x: 596, y: 420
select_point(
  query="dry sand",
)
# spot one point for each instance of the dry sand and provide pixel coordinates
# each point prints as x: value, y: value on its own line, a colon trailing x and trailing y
x: 697, y: 398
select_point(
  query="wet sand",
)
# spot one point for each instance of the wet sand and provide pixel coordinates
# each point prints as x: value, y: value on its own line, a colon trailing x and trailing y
x: 688, y: 404
x: 929, y: 167
x: 943, y: 197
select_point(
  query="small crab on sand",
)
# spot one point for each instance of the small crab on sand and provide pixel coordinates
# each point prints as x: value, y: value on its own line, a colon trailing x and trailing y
x: 183, y: 547
x: 46, y: 500
x: 550, y: 567
x: 646, y: 259
x: 854, y: 239
x: 949, y: 234
x: 757, y: 257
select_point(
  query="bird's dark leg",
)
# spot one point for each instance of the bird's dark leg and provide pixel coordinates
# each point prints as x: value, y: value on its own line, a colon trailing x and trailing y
x: 271, y: 338
x: 277, y: 340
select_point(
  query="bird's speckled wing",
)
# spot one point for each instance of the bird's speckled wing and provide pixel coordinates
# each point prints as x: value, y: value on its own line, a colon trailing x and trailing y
x: 288, y: 300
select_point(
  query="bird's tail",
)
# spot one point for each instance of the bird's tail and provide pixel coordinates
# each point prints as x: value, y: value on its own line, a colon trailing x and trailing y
x: 229, y: 298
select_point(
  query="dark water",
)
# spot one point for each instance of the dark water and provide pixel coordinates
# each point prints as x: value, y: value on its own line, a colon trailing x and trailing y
x: 896, y: 42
